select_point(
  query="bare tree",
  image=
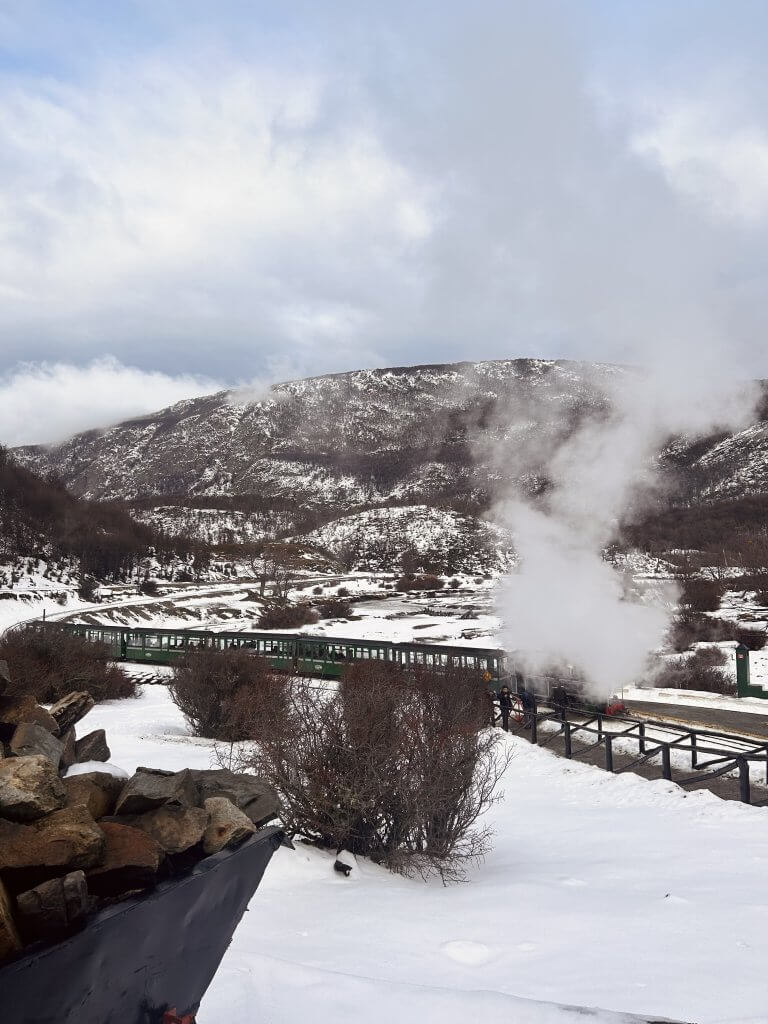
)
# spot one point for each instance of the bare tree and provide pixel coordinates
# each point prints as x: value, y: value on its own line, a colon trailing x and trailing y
x: 394, y: 764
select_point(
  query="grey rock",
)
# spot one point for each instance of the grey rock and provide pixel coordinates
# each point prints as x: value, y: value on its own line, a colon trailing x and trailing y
x: 70, y: 709
x: 69, y: 753
x: 53, y: 909
x: 29, y: 788
x: 54, y: 845
x: 5, y: 676
x: 150, y: 788
x: 256, y: 798
x: 130, y: 862
x: 24, y: 709
x: 29, y: 739
x: 93, y: 747
x: 176, y: 829
x: 227, y: 826
x: 98, y: 791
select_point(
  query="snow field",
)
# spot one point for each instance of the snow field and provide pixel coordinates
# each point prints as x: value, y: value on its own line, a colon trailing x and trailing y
x: 600, y: 890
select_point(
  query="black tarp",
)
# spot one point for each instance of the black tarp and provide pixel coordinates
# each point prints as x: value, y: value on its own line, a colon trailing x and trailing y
x: 138, y: 958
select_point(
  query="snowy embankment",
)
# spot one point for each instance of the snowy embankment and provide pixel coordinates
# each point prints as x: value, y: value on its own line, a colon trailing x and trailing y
x: 600, y: 890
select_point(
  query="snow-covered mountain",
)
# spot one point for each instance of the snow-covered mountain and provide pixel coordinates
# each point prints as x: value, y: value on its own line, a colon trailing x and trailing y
x: 340, y: 441
x: 230, y: 469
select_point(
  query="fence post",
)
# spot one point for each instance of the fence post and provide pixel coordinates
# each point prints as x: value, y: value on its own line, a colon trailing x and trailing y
x: 666, y: 762
x: 641, y: 734
x: 694, y: 751
x: 567, y: 739
x: 608, y: 752
x: 534, y: 730
x: 744, y: 794
x: 599, y: 727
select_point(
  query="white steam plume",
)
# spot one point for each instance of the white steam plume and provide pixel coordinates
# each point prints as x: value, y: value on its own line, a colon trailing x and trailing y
x: 566, y: 604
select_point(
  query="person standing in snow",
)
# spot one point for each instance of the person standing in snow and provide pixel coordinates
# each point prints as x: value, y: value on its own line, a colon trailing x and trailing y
x: 505, y: 706
x: 528, y: 701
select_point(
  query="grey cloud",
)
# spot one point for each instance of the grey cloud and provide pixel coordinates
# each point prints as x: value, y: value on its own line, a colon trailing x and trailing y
x: 359, y: 185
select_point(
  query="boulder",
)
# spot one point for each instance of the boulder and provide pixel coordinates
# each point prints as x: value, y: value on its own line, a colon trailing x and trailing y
x: 93, y: 747
x: 29, y: 788
x: 23, y: 709
x: 53, y: 909
x: 70, y: 709
x: 255, y: 798
x: 98, y: 791
x: 176, y: 829
x: 5, y: 676
x: 130, y: 862
x: 150, y: 788
x: 227, y: 826
x: 69, y: 753
x: 29, y: 739
x: 57, y: 844
x: 10, y: 942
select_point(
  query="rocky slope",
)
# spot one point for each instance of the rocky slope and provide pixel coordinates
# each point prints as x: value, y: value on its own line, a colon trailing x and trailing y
x: 452, y: 436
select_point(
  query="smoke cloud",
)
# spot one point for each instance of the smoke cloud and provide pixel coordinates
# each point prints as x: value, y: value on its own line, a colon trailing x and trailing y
x: 566, y: 605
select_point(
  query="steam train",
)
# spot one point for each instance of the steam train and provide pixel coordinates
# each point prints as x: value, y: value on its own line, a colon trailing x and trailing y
x: 326, y: 657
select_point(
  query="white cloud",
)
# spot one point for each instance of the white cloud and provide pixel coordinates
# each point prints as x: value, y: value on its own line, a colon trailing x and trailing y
x: 48, y: 402
x: 167, y: 205
x: 718, y: 160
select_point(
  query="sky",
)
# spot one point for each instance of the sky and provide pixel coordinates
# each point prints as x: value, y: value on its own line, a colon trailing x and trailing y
x: 198, y: 195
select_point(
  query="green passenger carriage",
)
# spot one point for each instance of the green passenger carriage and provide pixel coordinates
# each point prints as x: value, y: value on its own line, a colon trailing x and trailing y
x: 299, y: 653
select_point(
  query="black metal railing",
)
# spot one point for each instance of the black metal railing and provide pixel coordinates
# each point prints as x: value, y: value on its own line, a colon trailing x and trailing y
x: 724, y: 753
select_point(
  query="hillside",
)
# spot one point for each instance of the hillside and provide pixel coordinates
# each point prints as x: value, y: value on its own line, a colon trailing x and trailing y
x: 226, y: 470
x: 333, y: 443
x: 48, y: 532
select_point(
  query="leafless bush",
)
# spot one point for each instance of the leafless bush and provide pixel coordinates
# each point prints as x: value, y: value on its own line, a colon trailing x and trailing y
x: 48, y: 663
x: 690, y: 628
x: 701, y: 595
x: 228, y: 695
x: 702, y: 670
x: 422, y: 582
x: 334, y: 608
x: 754, y: 639
x: 394, y: 764
x: 283, y: 615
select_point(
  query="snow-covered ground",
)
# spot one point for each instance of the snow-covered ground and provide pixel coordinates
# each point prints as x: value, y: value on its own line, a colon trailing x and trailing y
x: 600, y: 890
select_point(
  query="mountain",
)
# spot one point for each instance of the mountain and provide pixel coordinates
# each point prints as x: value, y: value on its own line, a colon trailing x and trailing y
x: 332, y: 443
x: 45, y: 531
x: 231, y: 470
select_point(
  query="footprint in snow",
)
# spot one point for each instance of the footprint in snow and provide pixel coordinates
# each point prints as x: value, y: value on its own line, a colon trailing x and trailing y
x: 471, y: 954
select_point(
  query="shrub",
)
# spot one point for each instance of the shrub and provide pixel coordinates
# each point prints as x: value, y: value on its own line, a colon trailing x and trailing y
x: 228, y: 695
x: 284, y: 615
x: 87, y: 589
x: 701, y: 670
x: 48, y: 663
x: 148, y: 587
x: 393, y: 764
x: 317, y: 590
x: 701, y: 595
x: 342, y: 592
x: 334, y: 608
x: 754, y: 639
x: 454, y: 584
x: 422, y: 582
x: 690, y: 628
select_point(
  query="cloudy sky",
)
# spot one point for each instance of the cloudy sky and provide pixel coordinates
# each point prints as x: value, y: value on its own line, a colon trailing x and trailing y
x: 198, y: 194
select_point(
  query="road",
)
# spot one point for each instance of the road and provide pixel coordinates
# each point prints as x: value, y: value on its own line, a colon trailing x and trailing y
x: 741, y: 723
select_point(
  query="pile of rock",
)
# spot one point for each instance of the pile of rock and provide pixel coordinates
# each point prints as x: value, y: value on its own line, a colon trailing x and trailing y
x: 70, y: 844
